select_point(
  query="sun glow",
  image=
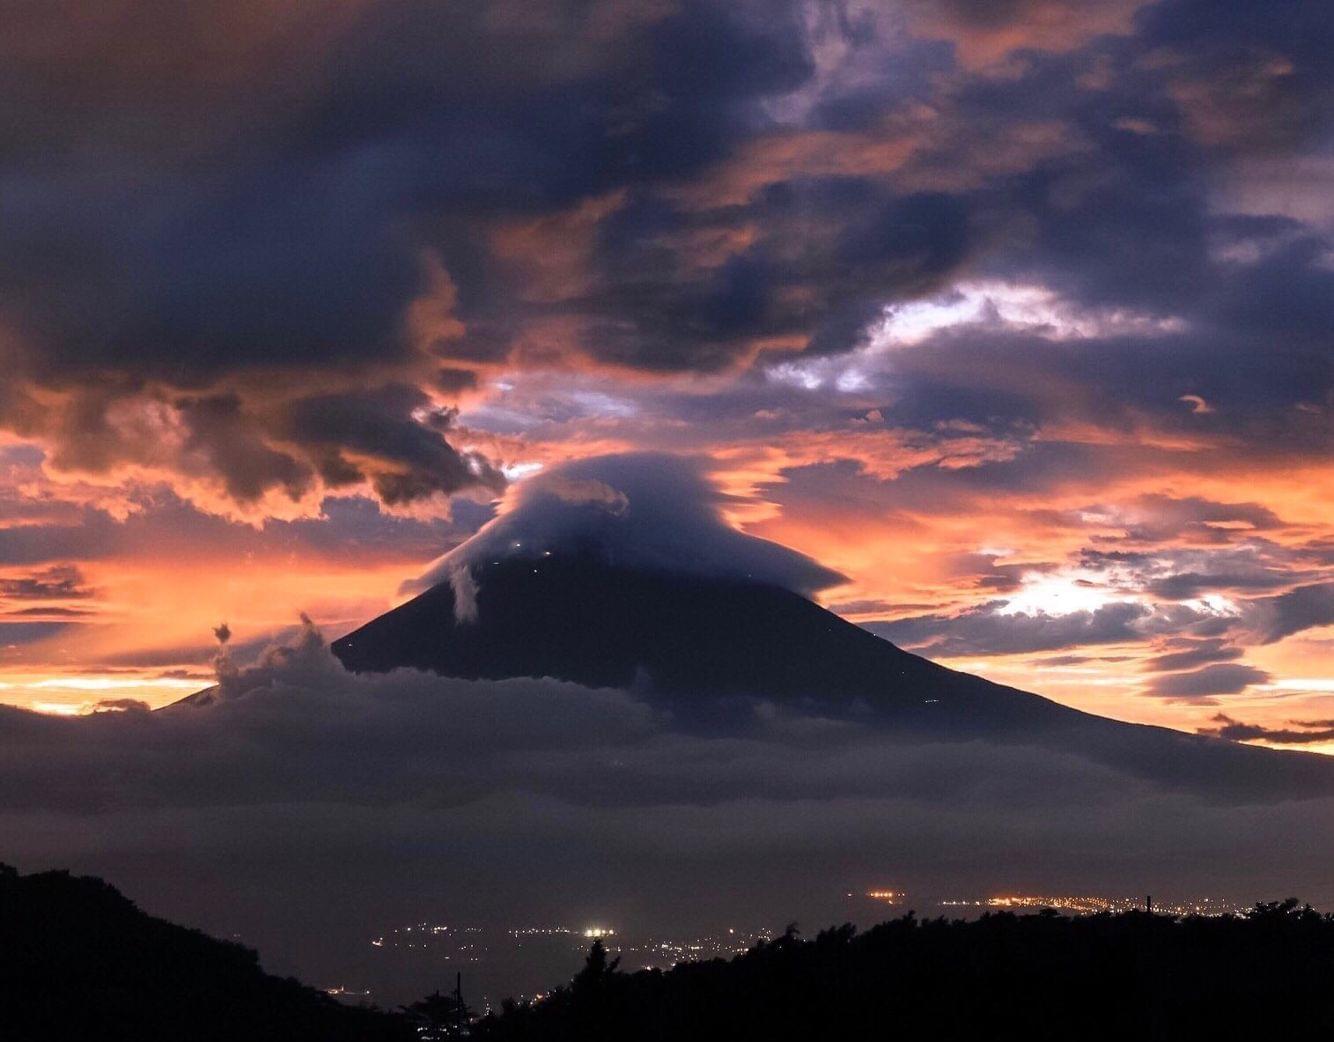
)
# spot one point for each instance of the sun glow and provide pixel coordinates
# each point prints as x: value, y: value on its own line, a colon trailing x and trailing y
x: 1058, y: 594
x: 77, y: 695
x: 112, y: 683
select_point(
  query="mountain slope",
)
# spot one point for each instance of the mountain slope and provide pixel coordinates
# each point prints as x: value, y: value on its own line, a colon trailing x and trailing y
x: 693, y: 641
x: 579, y: 620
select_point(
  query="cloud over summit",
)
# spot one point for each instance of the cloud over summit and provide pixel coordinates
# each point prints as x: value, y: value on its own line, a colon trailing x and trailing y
x: 638, y: 510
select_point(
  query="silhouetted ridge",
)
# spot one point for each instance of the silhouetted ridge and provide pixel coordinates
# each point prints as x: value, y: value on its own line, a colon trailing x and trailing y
x: 79, y: 960
x: 1037, y: 977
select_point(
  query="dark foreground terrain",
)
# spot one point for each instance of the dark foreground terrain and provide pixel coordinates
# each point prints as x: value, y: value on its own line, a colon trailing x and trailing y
x: 78, y: 960
x: 1131, y: 976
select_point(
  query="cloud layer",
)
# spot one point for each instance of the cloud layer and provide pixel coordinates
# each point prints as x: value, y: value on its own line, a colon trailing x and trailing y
x: 305, y: 807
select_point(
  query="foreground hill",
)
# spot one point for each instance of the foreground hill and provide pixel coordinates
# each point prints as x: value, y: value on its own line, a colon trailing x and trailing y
x: 1130, y: 976
x: 699, y: 643
x: 79, y: 960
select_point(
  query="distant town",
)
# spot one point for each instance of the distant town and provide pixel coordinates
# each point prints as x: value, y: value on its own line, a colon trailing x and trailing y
x: 514, y: 962
x: 1087, y: 905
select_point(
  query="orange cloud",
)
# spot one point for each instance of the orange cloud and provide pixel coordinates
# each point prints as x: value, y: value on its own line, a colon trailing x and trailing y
x: 983, y: 33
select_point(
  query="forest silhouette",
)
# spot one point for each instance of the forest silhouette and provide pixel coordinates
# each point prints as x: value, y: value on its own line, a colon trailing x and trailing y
x: 1133, y: 975
x: 77, y: 959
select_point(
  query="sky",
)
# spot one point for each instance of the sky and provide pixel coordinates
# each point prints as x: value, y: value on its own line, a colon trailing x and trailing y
x: 1015, y: 314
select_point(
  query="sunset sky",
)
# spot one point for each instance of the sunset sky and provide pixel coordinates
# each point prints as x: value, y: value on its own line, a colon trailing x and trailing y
x: 1018, y: 314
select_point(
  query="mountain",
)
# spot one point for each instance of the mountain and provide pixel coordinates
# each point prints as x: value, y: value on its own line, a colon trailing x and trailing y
x: 79, y: 960
x: 576, y: 618
x: 705, y: 644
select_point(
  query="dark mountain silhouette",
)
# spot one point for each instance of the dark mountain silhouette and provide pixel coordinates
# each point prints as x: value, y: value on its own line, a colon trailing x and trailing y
x: 702, y: 643
x: 79, y: 960
x: 1034, y: 977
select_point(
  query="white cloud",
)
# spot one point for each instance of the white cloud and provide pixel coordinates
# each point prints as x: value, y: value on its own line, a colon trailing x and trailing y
x: 644, y: 510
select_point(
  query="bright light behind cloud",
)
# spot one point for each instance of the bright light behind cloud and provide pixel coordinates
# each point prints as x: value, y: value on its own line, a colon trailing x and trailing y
x: 112, y: 683
x: 1312, y: 685
x: 57, y: 708
x: 519, y: 471
x: 912, y: 323
x: 1030, y: 309
x: 72, y: 695
x: 1213, y: 604
x: 1058, y: 595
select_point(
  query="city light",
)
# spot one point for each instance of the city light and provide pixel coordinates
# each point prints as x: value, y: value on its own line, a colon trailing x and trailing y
x: 1094, y: 905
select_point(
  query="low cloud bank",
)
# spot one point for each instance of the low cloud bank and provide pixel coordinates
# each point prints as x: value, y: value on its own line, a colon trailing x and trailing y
x: 305, y: 807
x: 1298, y: 732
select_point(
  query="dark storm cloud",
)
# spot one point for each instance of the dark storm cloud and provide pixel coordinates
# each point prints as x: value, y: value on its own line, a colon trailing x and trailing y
x: 19, y: 633
x: 1129, y: 219
x: 1301, y: 732
x: 286, y: 443
x: 984, y: 630
x: 1012, y: 380
x: 1220, y: 679
x: 397, y: 424
x: 1163, y: 109
x: 59, y: 582
x: 826, y: 255
x: 274, y: 211
x: 418, y: 191
x: 1247, y: 79
x: 1191, y: 653
x: 394, y: 136
x: 189, y: 196
x: 39, y: 543
x: 1187, y: 585
x: 1304, y: 608
x: 452, y: 381
x: 56, y: 612
x: 219, y: 429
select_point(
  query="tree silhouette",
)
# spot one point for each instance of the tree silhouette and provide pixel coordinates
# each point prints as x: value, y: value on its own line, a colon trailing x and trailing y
x: 1136, y: 975
x: 441, y: 1016
x: 596, y: 969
